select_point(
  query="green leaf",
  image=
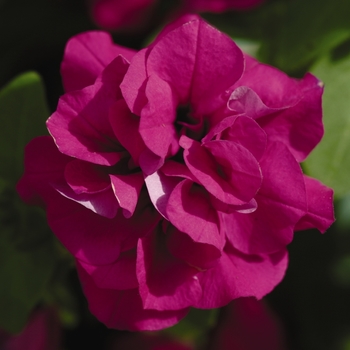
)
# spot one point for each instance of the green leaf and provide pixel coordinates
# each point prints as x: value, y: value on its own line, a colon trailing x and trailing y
x: 304, y: 30
x: 330, y: 161
x: 195, y: 326
x: 293, y: 33
x: 27, y: 260
x: 23, y: 112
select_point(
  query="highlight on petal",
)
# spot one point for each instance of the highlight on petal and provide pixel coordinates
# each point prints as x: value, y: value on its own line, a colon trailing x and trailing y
x: 160, y: 187
x: 127, y: 190
x: 102, y: 202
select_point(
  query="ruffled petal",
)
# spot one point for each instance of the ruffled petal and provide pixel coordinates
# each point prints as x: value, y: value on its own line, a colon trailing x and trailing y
x: 165, y: 282
x: 84, y: 177
x: 237, y: 275
x: 102, y: 203
x: 126, y: 129
x: 158, y: 117
x: 202, y: 256
x: 85, y: 57
x: 226, y: 169
x: 198, y: 62
x: 80, y: 126
x: 320, y: 211
x: 123, y: 309
x: 159, y: 187
x: 242, y: 130
x: 120, y: 274
x: 43, y: 164
x: 127, y: 189
x: 281, y: 203
x: 190, y: 211
x: 298, y: 124
x: 134, y: 83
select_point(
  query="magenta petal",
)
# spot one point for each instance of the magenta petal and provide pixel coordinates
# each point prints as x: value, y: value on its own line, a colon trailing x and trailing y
x: 42, y: 332
x: 278, y: 91
x: 165, y: 282
x: 80, y: 125
x: 199, y: 255
x: 237, y: 275
x: 248, y: 133
x: 320, y: 211
x: 220, y: 5
x: 102, y: 203
x: 133, y: 84
x: 189, y: 210
x: 127, y: 189
x: 300, y: 125
x: 198, y: 62
x: 43, y: 164
x: 226, y: 169
x: 124, y: 309
x: 244, y: 100
x: 84, y: 177
x: 159, y: 187
x: 245, y: 208
x: 281, y: 203
x: 89, y: 237
x: 120, y: 274
x: 79, y: 129
x: 94, y: 239
x: 126, y: 129
x: 150, y: 162
x: 248, y: 324
x: 116, y: 14
x: 172, y: 168
x: 157, y: 119
x: 85, y: 57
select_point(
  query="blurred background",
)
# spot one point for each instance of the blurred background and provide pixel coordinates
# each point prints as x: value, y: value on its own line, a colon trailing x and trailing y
x: 38, y: 283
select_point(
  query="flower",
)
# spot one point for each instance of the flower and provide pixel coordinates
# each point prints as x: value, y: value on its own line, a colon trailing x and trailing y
x: 42, y: 332
x: 248, y: 324
x: 113, y: 14
x: 172, y: 174
x: 220, y: 5
x: 134, y: 14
